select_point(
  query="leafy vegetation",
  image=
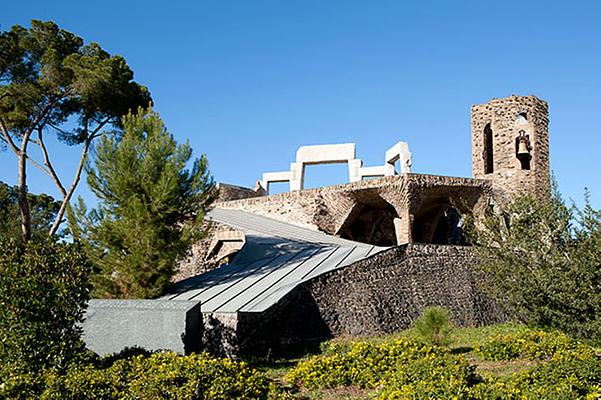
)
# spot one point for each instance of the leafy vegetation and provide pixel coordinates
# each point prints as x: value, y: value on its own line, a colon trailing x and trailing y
x: 541, y: 260
x: 50, y: 82
x: 530, y: 345
x: 43, y: 213
x: 151, y: 208
x: 43, y: 292
x: 400, y: 368
x: 434, y: 326
x: 163, y: 375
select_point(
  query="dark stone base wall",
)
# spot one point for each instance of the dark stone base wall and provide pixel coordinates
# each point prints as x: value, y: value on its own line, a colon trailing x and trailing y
x: 388, y: 291
x: 381, y: 294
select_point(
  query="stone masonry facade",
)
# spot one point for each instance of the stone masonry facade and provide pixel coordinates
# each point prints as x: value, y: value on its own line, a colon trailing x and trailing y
x: 419, y: 216
x: 503, y: 119
x: 381, y: 294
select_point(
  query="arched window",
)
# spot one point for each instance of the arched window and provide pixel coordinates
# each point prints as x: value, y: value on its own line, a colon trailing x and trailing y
x: 521, y: 119
x: 488, y: 150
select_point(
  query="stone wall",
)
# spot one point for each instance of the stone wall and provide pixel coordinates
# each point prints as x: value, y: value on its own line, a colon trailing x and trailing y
x: 330, y: 209
x: 384, y: 293
x: 506, y: 117
x: 227, y: 192
x: 388, y: 291
x: 198, y: 261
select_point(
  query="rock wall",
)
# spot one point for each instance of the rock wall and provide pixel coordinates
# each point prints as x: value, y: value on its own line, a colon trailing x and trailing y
x: 197, y: 261
x: 388, y: 291
x: 332, y: 208
x: 381, y: 294
x: 227, y: 192
x: 506, y: 117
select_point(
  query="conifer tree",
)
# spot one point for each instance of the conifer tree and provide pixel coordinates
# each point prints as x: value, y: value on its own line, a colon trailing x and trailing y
x: 542, y: 260
x: 150, y: 207
x: 51, y: 83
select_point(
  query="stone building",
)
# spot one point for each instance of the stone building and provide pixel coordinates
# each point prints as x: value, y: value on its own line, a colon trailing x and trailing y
x: 286, y: 271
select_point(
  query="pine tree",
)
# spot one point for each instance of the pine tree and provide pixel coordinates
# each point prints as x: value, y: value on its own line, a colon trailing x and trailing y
x: 51, y: 83
x: 542, y: 260
x: 150, y: 207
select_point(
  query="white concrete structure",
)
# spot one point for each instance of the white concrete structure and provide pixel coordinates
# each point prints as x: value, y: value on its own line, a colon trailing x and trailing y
x: 399, y: 151
x: 326, y: 154
x: 338, y: 154
x: 272, y: 177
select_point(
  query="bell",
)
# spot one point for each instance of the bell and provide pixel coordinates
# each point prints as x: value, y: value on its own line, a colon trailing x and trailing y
x: 523, y: 144
x: 523, y: 147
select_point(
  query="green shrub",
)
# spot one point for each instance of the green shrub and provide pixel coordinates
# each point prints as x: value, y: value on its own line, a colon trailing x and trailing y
x: 44, y: 288
x: 532, y: 345
x: 441, y: 376
x: 540, y: 260
x: 405, y: 369
x: 433, y: 326
x: 162, y: 375
x: 559, y: 378
x: 360, y: 363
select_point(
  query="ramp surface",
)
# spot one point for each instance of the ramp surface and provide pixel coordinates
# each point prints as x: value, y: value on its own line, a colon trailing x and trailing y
x: 276, y: 258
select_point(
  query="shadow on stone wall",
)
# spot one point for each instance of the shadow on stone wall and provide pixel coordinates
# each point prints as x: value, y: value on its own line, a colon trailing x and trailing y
x: 292, y: 327
x: 381, y: 294
x: 388, y: 291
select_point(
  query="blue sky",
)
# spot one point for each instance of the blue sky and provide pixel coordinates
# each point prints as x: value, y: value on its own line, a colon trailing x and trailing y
x: 247, y: 82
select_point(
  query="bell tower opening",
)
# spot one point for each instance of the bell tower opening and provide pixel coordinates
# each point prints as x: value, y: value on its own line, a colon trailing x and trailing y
x: 510, y: 145
x: 488, y: 150
x: 522, y: 142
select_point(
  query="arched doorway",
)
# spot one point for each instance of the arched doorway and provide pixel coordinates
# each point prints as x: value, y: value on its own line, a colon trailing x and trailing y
x: 438, y: 223
x: 371, y: 221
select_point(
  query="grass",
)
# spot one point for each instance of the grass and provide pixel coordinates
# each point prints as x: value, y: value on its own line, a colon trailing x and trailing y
x: 462, y: 340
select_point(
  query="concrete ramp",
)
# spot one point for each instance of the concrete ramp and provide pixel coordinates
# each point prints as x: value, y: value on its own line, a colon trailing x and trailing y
x: 276, y: 258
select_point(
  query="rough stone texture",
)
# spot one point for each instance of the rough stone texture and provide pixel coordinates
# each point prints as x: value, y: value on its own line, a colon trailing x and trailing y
x: 221, y: 336
x: 507, y: 116
x: 381, y: 294
x: 199, y: 260
x: 226, y: 192
x: 333, y: 208
x: 112, y: 325
x: 388, y: 291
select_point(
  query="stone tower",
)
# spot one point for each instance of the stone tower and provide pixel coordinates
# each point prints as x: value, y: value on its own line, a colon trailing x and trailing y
x: 510, y: 144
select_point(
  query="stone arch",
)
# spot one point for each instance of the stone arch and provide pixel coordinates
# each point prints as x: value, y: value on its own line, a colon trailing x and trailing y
x: 438, y: 221
x: 371, y: 220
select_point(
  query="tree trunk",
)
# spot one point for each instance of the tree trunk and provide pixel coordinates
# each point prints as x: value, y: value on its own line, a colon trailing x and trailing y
x: 22, y: 198
x: 69, y: 194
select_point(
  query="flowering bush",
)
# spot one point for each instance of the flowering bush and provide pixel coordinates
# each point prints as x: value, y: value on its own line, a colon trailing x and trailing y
x: 163, y: 375
x: 531, y: 345
x: 405, y: 369
x: 559, y: 378
x: 435, y: 376
x: 365, y: 364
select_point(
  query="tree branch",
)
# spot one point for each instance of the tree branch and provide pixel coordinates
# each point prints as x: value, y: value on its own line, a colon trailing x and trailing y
x: 95, y: 132
x: 82, y: 162
x: 69, y: 194
x: 22, y: 172
x: 48, y: 164
x: 58, y: 129
x: 7, y: 137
